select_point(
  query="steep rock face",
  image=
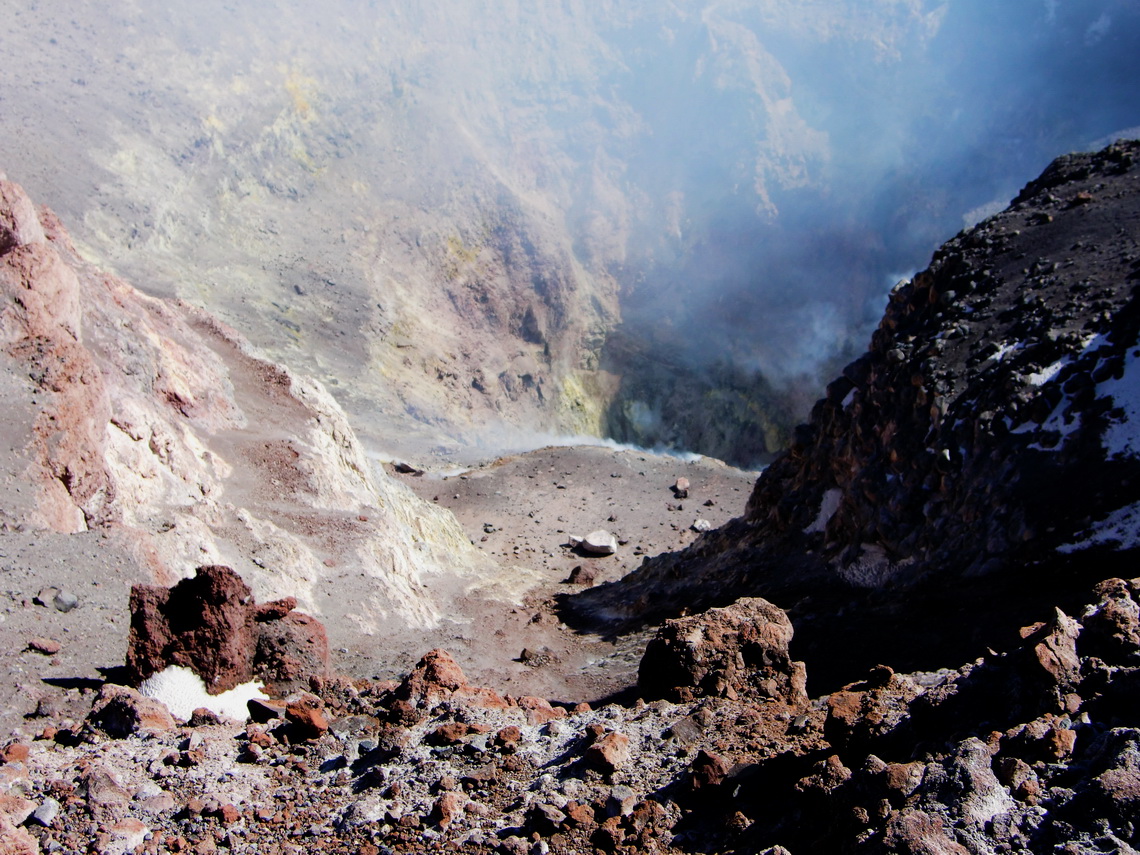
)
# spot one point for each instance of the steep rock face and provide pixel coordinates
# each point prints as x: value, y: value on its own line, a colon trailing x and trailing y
x: 153, y: 419
x: 984, y: 443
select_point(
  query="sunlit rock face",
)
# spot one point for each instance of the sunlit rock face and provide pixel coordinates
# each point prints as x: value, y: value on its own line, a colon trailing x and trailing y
x: 979, y: 457
x: 443, y: 211
x: 151, y: 419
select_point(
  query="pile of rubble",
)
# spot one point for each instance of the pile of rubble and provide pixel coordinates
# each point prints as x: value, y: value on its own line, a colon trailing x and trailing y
x: 1034, y: 749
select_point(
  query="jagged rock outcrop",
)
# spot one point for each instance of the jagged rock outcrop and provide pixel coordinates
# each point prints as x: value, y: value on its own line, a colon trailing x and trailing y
x: 981, y: 455
x: 740, y: 650
x: 152, y: 420
x: 212, y: 625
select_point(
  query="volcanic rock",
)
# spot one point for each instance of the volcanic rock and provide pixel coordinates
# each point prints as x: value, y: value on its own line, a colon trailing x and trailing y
x: 734, y: 651
x: 291, y: 648
x: 46, y: 646
x: 306, y: 712
x: 608, y: 753
x: 983, y: 443
x: 120, y: 711
x: 1112, y: 625
x: 15, y: 840
x: 206, y: 623
x: 599, y: 542
x: 212, y: 625
x: 862, y: 712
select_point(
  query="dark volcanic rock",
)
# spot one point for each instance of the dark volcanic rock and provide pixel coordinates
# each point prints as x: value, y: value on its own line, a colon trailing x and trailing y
x: 205, y: 623
x: 211, y: 625
x: 738, y: 650
x: 979, y: 456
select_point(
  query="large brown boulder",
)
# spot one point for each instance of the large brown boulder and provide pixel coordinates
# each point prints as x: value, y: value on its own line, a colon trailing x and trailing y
x: 212, y: 625
x: 738, y: 650
x: 290, y: 648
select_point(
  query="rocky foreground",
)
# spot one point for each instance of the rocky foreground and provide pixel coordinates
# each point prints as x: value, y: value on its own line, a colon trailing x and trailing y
x: 957, y: 670
x: 1035, y: 748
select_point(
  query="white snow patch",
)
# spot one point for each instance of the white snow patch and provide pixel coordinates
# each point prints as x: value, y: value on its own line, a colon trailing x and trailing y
x: 183, y: 692
x: 1004, y: 350
x: 1122, y: 526
x: 1040, y: 378
x: 828, y: 505
x: 1093, y: 342
x: 1122, y: 438
x: 849, y: 398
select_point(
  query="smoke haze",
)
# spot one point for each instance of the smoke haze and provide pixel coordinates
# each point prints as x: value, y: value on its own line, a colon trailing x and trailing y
x: 455, y: 211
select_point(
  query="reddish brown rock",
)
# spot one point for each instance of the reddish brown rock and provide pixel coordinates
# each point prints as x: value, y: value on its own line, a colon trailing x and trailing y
x: 1046, y: 739
x: 212, y: 625
x: 508, y: 736
x: 539, y: 710
x: 276, y: 609
x: 19, y: 221
x: 862, y: 712
x: 608, y: 753
x: 738, y: 650
x: 903, y: 778
x: 306, y: 712
x: 120, y: 712
x: 46, y: 646
x: 292, y: 647
x: 1057, y: 650
x: 917, y: 833
x: 15, y: 808
x: 580, y: 815
x: 453, y: 733
x: 15, y: 752
x: 436, y: 676
x: 15, y: 840
x: 582, y: 575
x: 205, y: 623
x: 1112, y: 628
x: 446, y: 808
x: 707, y: 771
x: 101, y: 789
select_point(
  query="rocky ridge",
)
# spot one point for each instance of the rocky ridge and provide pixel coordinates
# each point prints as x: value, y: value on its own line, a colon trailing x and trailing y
x: 1029, y: 749
x: 976, y: 457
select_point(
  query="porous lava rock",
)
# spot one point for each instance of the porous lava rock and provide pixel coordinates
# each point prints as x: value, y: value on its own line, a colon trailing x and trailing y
x: 211, y: 624
x: 437, y: 677
x: 862, y: 712
x: 738, y: 650
x: 120, y: 711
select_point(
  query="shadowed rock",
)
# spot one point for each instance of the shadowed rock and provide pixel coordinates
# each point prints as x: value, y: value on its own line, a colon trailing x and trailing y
x: 741, y: 649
